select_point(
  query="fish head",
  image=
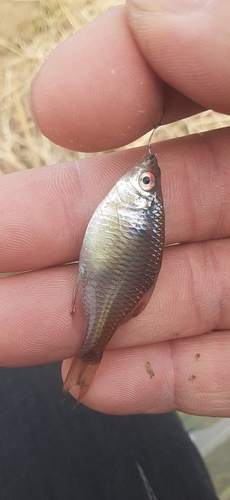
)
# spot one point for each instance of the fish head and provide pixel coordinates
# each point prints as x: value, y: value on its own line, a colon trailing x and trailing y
x: 141, y: 186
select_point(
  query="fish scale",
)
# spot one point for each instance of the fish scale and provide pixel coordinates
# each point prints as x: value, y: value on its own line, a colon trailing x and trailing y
x: 119, y: 264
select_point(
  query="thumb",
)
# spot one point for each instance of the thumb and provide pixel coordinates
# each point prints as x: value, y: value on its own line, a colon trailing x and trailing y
x: 187, y: 42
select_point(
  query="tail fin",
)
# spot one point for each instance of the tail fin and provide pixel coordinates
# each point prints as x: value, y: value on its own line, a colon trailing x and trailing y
x: 80, y: 373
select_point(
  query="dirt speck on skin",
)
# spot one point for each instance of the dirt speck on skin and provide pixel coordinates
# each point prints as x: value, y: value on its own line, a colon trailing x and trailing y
x: 197, y: 356
x: 149, y: 369
x: 175, y: 334
x: 192, y: 377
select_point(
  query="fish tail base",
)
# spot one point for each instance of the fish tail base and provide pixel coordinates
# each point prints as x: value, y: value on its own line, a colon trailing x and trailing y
x: 80, y: 373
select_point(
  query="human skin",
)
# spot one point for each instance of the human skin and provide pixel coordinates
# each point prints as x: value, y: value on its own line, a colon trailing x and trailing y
x: 91, y: 94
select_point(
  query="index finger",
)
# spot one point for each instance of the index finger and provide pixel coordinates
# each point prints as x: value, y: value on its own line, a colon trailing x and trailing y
x: 44, y: 212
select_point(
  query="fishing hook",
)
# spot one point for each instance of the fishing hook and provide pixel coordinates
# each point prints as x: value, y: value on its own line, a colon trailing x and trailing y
x: 150, y: 137
x: 158, y: 124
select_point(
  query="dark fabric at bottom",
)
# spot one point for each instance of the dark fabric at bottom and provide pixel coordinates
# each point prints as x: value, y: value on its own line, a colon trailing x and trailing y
x: 49, y: 452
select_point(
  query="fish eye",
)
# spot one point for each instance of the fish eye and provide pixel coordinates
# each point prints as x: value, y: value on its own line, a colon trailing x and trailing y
x: 147, y: 181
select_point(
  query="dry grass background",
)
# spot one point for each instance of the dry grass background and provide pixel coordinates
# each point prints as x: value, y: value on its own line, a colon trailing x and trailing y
x: 29, y: 30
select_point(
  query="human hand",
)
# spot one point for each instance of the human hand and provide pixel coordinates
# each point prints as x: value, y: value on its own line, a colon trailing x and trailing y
x: 91, y: 94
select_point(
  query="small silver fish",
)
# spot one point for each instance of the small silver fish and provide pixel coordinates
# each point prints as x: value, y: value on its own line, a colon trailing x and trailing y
x: 119, y: 264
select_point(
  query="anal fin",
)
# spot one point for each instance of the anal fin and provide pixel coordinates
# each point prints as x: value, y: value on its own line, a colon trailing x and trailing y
x: 140, y: 306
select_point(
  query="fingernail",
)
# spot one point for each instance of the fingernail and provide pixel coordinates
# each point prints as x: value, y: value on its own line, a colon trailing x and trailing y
x: 170, y: 5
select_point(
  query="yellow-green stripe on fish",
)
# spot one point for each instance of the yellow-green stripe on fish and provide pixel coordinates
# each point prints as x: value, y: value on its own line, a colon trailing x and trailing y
x: 119, y: 264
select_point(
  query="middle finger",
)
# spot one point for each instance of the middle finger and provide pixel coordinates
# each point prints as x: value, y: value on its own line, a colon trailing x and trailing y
x: 191, y: 297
